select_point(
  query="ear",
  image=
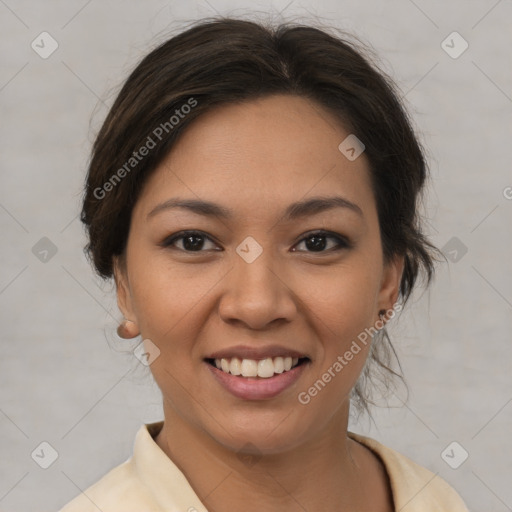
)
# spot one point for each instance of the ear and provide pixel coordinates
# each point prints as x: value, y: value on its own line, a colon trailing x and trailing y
x: 124, y: 301
x: 390, y: 283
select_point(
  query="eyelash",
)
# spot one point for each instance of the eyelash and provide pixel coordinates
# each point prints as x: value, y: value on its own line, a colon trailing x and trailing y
x: 342, y: 242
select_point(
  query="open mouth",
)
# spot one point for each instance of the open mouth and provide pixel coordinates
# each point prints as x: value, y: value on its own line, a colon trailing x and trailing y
x: 262, y: 368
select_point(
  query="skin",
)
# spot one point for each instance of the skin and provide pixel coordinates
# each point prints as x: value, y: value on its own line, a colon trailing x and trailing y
x: 256, y: 158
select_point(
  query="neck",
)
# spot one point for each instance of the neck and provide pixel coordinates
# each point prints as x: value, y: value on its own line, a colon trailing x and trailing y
x: 328, y: 473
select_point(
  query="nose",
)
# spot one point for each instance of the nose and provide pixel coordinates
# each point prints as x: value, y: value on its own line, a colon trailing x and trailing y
x: 258, y: 293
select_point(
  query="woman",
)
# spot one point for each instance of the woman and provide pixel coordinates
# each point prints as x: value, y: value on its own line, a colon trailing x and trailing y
x: 253, y: 192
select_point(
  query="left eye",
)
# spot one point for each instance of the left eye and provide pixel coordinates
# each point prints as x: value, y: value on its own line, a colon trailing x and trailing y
x: 317, y: 242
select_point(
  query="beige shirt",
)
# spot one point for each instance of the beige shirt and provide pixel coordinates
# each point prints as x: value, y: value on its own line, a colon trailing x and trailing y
x: 150, y: 482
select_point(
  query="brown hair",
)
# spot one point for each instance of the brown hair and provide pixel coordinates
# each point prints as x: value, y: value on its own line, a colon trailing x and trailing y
x: 225, y: 60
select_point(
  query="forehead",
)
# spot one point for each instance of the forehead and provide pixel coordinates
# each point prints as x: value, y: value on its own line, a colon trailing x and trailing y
x: 258, y: 154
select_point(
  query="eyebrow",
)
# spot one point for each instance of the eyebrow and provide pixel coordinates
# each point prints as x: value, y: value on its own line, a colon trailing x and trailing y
x: 294, y: 211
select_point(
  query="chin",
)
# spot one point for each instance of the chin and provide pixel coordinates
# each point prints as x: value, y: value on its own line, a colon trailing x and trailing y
x: 262, y: 431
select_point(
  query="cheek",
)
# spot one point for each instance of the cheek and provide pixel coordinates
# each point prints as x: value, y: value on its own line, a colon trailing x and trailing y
x: 342, y: 318
x: 342, y: 308
x: 165, y: 293
x: 344, y: 298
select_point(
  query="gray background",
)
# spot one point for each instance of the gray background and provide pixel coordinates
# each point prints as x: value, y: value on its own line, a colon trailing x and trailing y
x: 67, y: 380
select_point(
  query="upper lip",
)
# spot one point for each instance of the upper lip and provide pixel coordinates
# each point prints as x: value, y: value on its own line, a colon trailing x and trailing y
x: 248, y: 352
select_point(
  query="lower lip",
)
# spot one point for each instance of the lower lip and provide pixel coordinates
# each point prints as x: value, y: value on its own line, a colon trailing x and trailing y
x: 256, y: 388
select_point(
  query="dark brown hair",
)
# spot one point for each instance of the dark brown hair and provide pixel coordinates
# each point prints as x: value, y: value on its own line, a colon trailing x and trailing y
x: 223, y: 61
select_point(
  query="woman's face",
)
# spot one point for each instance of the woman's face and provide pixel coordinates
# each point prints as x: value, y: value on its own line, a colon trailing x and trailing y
x: 256, y: 284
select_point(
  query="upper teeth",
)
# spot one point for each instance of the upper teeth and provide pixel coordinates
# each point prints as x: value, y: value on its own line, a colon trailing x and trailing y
x: 256, y: 368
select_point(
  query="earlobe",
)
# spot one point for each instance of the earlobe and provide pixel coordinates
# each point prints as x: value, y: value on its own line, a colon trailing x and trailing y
x: 127, y: 330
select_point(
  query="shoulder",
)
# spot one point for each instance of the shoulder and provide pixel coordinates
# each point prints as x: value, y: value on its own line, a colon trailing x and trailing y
x: 415, y: 488
x: 148, y: 481
x: 127, y: 487
x: 118, y: 490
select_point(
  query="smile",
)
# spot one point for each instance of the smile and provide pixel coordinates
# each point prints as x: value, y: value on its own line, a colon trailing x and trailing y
x: 262, y: 368
x: 259, y: 379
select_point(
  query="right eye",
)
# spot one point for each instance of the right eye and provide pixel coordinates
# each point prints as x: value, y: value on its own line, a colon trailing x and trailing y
x: 191, y: 241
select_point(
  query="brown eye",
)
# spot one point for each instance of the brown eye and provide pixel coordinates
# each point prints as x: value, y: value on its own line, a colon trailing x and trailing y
x: 319, y: 242
x: 191, y: 241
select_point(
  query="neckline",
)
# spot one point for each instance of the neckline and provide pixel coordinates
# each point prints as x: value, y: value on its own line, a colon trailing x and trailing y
x: 374, y: 446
